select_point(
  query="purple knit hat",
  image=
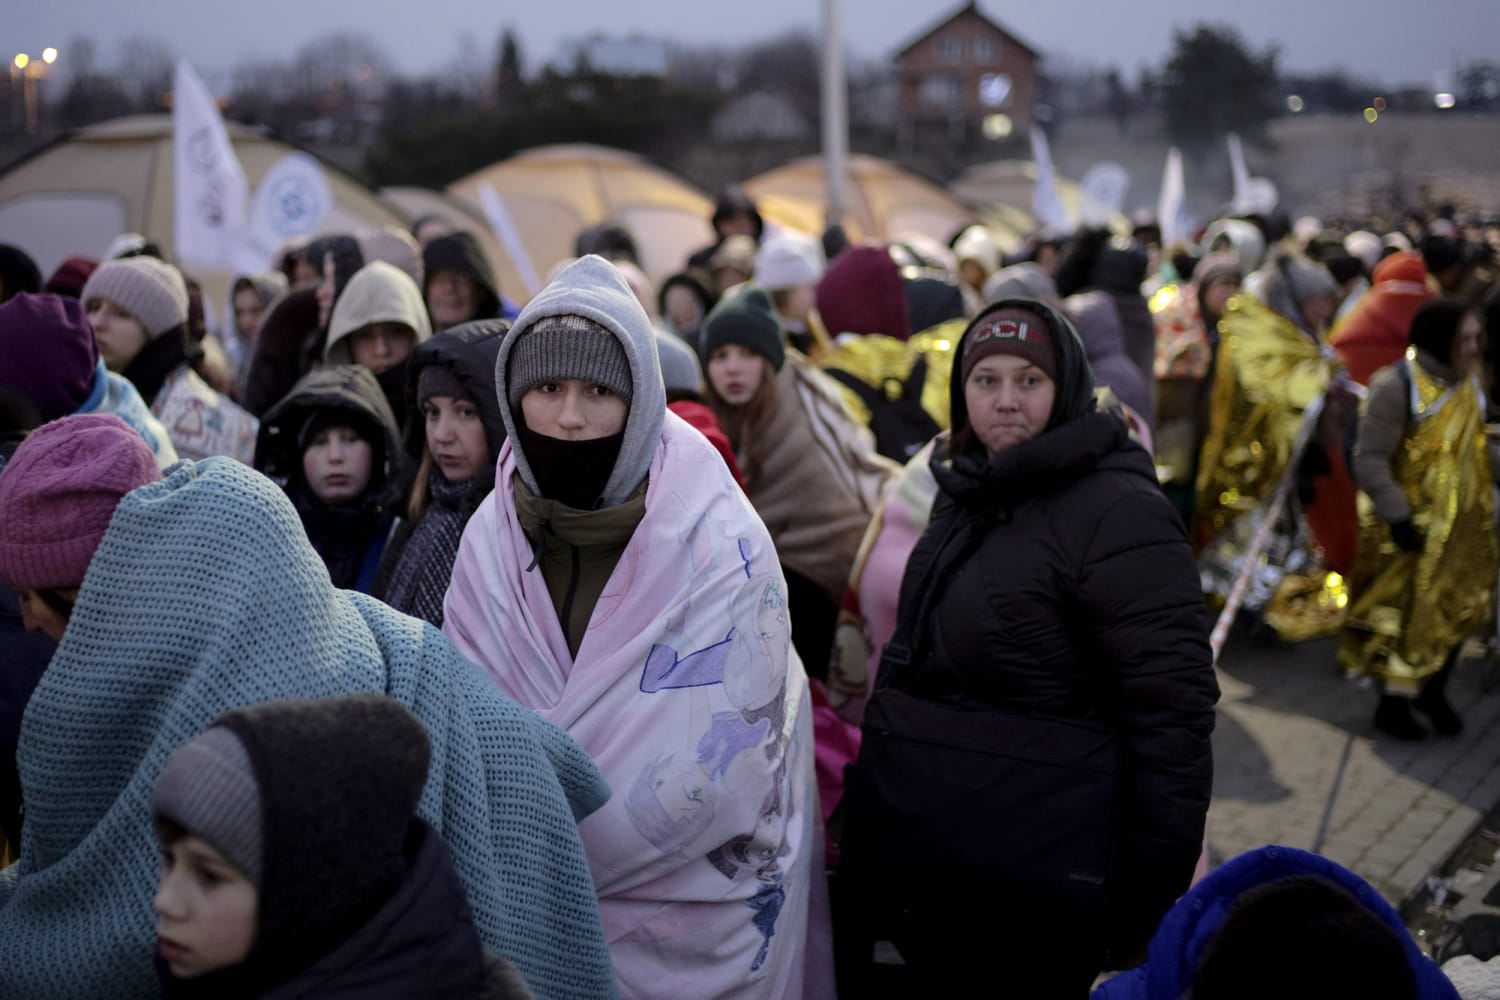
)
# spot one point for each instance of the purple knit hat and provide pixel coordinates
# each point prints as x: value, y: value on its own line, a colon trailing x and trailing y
x: 47, y: 352
x: 58, y: 493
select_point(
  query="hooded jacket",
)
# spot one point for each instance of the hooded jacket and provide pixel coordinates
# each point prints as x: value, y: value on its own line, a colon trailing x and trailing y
x: 349, y: 539
x: 418, y: 560
x: 378, y: 293
x: 1180, y: 943
x: 1098, y: 319
x: 284, y: 350
x: 577, y: 551
x: 461, y: 252
x: 591, y: 287
x: 1067, y: 587
x: 1374, y: 335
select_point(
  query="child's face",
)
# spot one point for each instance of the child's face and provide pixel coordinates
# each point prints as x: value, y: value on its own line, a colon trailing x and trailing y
x: 337, y: 465
x: 205, y: 910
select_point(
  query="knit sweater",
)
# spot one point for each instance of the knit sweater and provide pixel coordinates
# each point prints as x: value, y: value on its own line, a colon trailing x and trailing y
x: 205, y: 595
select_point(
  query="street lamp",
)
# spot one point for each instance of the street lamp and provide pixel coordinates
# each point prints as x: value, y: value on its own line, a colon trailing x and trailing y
x: 31, y: 70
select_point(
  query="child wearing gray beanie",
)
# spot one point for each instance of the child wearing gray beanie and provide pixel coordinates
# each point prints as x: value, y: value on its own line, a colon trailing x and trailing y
x: 294, y: 862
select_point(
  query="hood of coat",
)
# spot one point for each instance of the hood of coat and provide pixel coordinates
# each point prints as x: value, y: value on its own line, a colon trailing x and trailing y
x: 591, y: 287
x: 1185, y: 932
x: 461, y: 252
x: 378, y: 293
x: 470, y: 351
x: 350, y: 388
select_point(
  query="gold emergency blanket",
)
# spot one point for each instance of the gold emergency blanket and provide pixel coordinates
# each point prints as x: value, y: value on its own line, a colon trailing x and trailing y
x: 1409, y: 610
x: 1268, y: 372
x: 880, y: 360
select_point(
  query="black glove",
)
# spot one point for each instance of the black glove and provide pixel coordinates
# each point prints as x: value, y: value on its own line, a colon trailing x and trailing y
x: 1407, y: 538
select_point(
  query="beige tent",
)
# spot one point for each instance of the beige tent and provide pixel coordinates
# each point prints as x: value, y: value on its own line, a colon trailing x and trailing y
x: 461, y: 215
x: 1002, y: 189
x: 884, y: 200
x: 551, y: 193
x: 77, y: 194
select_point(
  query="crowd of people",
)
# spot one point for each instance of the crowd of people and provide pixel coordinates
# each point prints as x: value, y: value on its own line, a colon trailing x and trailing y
x: 819, y: 618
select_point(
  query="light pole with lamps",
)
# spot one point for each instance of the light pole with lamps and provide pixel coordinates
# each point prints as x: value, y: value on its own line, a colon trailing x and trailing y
x: 31, y: 70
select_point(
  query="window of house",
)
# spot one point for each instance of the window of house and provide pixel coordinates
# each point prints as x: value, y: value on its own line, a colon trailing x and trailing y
x: 985, y: 50
x: 939, y: 91
x: 949, y: 49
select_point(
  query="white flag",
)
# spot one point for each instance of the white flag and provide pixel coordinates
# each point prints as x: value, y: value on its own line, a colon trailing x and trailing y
x: 210, y: 191
x: 1046, y: 204
x: 290, y: 202
x: 1171, y: 205
x: 1102, y: 194
x: 505, y: 228
x: 1241, y: 175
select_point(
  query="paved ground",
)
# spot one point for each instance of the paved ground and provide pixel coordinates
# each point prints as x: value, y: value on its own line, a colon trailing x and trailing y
x: 1298, y: 762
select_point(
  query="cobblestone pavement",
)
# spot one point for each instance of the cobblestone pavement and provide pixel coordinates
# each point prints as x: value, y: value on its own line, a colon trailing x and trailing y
x: 1298, y: 762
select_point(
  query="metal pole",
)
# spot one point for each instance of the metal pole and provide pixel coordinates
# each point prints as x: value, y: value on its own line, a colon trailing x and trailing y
x: 835, y: 115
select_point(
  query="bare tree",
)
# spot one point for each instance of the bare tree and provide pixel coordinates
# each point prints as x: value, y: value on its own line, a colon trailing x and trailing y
x: 145, y: 71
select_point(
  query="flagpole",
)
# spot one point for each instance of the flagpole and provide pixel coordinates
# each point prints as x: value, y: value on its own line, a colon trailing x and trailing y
x: 835, y: 116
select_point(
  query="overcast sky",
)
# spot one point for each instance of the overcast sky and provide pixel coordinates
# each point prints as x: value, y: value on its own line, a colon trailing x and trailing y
x: 1393, y: 41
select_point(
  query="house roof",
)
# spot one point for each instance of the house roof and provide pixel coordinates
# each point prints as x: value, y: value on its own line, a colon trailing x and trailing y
x: 972, y: 7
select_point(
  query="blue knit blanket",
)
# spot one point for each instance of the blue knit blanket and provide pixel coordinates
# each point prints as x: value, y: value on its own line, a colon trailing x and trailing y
x: 205, y: 595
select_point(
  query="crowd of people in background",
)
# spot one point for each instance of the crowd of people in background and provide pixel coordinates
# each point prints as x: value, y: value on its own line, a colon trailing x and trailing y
x: 395, y: 638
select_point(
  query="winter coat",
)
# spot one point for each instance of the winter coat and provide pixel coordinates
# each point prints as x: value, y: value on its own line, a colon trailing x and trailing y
x: 420, y: 943
x: 1374, y: 334
x: 1068, y: 588
x: 418, y: 560
x: 350, y: 539
x: 1180, y: 943
x: 288, y: 346
x: 1097, y: 317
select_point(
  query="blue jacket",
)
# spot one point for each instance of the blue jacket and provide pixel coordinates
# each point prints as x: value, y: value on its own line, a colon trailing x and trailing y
x: 1185, y: 931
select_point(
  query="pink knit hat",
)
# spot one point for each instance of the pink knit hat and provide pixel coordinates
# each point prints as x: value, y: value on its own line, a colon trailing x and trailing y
x: 58, y: 493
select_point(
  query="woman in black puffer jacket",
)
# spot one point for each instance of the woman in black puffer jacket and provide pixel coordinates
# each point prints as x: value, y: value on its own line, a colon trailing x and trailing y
x: 1066, y: 589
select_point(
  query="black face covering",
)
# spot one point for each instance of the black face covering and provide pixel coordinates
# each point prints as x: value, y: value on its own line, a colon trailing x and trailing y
x: 571, y: 472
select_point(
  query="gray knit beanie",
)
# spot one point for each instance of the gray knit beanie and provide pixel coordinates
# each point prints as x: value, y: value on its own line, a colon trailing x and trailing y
x: 567, y: 346
x: 151, y: 290
x: 208, y: 788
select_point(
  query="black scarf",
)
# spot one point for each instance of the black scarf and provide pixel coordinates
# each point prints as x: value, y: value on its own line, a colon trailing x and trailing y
x: 573, y: 473
x: 341, y: 535
x: 161, y: 356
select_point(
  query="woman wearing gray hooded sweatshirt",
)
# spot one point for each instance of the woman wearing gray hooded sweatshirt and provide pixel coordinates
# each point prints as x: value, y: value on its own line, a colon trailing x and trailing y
x: 618, y: 582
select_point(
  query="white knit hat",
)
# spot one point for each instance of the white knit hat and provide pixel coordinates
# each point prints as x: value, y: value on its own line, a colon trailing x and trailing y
x: 789, y: 260
x: 976, y: 244
x: 151, y: 290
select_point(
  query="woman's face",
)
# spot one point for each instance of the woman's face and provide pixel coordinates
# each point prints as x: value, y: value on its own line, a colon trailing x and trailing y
x: 326, y: 289
x: 571, y: 409
x: 39, y: 616
x: 119, y: 335
x: 452, y: 297
x: 455, y: 437
x: 381, y: 346
x: 1318, y: 310
x: 684, y: 310
x: 247, y: 312
x: 1009, y: 401
x: 336, y: 465
x: 735, y: 372
x: 1217, y: 294
x: 1467, y: 344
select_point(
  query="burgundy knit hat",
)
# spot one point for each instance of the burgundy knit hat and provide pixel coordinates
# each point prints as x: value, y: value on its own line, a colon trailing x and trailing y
x: 1011, y: 330
x: 47, y: 352
x: 862, y: 292
x: 70, y: 277
x: 58, y: 493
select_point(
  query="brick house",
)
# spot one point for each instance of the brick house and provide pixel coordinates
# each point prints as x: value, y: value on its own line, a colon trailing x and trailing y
x: 962, y: 72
